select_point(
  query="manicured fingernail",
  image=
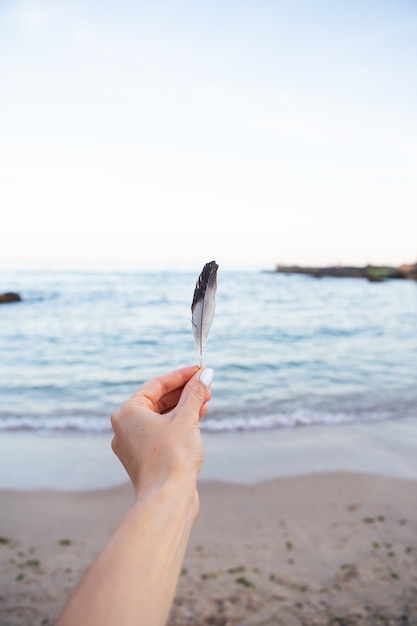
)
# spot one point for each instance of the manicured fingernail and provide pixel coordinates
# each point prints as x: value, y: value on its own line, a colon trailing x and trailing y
x: 206, y: 376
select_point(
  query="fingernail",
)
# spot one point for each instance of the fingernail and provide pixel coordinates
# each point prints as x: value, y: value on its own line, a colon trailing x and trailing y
x: 206, y: 376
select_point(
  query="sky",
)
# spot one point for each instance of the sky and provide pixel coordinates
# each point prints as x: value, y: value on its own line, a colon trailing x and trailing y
x: 164, y: 134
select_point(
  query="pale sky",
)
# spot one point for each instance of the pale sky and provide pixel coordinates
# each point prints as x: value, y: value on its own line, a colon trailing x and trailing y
x: 169, y: 133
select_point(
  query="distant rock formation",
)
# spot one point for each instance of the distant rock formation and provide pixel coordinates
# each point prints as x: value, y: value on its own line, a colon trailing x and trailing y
x: 374, y: 273
x: 9, y: 297
x: 408, y: 271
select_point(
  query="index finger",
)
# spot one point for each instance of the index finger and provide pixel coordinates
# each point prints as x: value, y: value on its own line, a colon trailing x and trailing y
x: 156, y: 388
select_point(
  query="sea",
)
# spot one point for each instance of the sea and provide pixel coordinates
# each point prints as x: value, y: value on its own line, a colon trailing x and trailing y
x: 287, y: 351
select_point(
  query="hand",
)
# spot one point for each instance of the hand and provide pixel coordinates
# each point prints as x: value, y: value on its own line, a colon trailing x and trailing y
x: 157, y: 438
x: 157, y: 434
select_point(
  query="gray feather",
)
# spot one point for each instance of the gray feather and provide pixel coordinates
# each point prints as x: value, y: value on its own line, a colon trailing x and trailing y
x: 204, y: 304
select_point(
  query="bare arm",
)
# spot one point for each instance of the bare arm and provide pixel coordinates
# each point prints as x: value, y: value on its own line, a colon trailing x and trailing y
x: 157, y: 438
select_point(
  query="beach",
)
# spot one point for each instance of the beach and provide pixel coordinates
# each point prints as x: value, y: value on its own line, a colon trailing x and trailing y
x: 292, y: 534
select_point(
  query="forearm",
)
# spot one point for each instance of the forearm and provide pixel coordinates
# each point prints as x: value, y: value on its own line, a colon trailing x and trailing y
x: 133, y: 579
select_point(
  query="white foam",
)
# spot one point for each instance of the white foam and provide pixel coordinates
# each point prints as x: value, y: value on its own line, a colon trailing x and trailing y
x: 56, y: 424
x: 299, y: 417
x: 238, y: 423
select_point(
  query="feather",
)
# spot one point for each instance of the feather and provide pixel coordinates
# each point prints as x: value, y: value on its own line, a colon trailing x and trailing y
x: 204, y: 304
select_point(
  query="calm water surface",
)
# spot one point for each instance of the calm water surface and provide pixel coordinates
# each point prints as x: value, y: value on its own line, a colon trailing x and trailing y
x: 286, y: 350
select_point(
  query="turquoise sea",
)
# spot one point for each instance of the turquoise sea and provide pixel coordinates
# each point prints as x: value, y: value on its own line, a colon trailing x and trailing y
x: 287, y: 351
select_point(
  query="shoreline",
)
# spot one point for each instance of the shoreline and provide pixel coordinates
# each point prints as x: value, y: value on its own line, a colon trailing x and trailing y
x: 83, y: 462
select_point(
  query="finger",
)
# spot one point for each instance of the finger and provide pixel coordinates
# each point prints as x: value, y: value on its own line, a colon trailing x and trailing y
x: 203, y: 410
x: 194, y: 394
x: 153, y: 390
x: 170, y: 401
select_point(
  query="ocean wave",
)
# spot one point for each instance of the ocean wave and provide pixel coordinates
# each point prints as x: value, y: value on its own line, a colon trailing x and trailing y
x: 294, y: 419
x: 56, y: 424
x: 300, y: 417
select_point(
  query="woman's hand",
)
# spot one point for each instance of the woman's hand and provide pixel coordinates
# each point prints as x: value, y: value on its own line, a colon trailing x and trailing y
x: 156, y: 431
x: 157, y: 438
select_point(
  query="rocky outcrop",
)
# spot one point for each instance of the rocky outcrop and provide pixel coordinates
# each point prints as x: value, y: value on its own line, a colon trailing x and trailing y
x: 9, y: 297
x: 408, y: 271
x: 374, y: 273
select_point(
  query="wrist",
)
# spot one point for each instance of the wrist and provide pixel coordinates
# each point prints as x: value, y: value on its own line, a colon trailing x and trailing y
x: 177, y: 493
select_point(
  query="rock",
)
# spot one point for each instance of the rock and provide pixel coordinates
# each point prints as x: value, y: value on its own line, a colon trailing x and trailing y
x: 318, y: 272
x: 377, y: 274
x: 408, y: 271
x: 373, y: 273
x: 9, y: 297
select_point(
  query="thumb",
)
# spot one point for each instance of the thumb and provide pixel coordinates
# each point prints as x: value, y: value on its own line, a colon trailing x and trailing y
x: 194, y: 393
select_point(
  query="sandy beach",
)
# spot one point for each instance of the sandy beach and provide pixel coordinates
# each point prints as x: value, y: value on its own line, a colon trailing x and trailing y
x: 336, y: 548
x: 326, y: 545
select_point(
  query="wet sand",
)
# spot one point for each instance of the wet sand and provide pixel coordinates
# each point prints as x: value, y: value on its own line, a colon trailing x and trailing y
x: 79, y: 461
